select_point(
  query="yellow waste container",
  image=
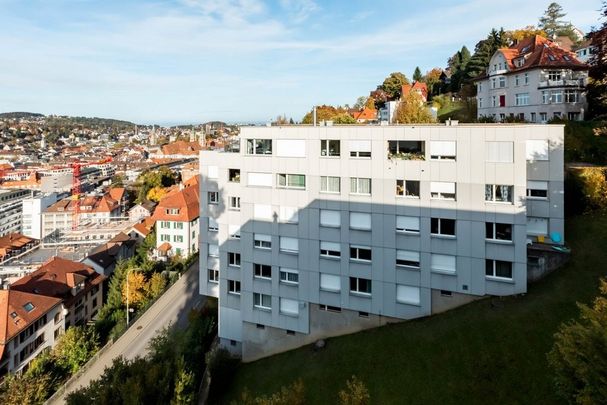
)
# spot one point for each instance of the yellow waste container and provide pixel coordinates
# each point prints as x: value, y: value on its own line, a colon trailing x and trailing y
x: 540, y: 238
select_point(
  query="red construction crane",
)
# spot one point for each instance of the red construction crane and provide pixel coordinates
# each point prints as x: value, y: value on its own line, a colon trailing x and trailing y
x: 76, y: 166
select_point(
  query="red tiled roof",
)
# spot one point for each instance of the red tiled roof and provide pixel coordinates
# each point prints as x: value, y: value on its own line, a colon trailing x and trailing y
x: 181, y: 148
x: 14, y: 318
x: 165, y: 247
x: 366, y: 114
x: 186, y: 201
x: 142, y: 229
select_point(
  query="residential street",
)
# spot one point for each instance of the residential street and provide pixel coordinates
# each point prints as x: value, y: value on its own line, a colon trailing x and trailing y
x: 172, y: 308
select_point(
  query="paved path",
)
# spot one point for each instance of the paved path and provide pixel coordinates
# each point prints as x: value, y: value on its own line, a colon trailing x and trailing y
x: 170, y: 309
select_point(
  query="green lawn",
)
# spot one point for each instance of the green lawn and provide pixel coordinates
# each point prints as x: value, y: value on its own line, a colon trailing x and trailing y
x: 474, y: 354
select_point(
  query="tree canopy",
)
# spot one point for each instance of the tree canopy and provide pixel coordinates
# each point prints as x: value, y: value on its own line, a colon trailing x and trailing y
x: 551, y: 22
x: 597, y: 86
x: 412, y: 110
x: 393, y: 85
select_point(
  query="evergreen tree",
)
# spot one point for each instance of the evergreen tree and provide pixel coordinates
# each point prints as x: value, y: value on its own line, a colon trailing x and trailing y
x: 417, y: 75
x: 551, y: 21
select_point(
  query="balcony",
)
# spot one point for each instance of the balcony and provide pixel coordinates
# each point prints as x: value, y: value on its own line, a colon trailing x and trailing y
x: 406, y: 150
x: 580, y: 82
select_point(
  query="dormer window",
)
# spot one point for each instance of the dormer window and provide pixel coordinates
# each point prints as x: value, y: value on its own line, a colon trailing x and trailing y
x: 29, y: 307
x: 172, y: 211
x: 13, y: 315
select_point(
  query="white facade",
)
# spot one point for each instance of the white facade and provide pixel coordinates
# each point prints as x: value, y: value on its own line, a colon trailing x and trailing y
x: 183, y: 236
x: 11, y: 210
x: 32, y: 213
x: 386, y: 114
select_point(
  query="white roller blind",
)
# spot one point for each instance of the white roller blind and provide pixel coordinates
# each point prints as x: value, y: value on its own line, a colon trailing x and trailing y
x: 443, y: 263
x: 360, y: 146
x: 537, y: 185
x: 289, y: 244
x: 537, y: 226
x: 442, y: 148
x: 408, y: 255
x: 213, y: 172
x: 500, y: 152
x: 289, y: 214
x: 262, y: 237
x: 262, y: 211
x: 442, y: 187
x: 360, y: 220
x: 213, y: 223
x: 213, y: 250
x: 330, y: 218
x: 407, y: 294
x: 234, y: 230
x: 330, y: 246
x: 537, y: 149
x: 289, y: 307
x: 290, y: 148
x: 259, y: 179
x: 330, y: 282
x: 410, y: 224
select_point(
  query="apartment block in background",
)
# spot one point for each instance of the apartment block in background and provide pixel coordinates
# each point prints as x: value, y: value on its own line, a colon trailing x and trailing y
x: 311, y: 232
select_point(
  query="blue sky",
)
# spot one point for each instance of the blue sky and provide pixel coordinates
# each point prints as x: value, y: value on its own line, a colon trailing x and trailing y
x: 189, y: 61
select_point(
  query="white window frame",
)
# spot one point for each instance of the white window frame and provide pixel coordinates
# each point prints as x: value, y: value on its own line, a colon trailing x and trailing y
x: 493, y: 275
x: 261, y: 267
x: 535, y: 186
x: 234, y: 203
x: 355, y: 186
x: 327, y: 215
x: 407, y: 294
x: 234, y: 259
x: 291, y: 250
x: 440, y: 225
x: 260, y: 301
x: 360, y: 149
x: 357, y: 289
x: 213, y: 276
x: 442, y: 190
x: 325, y: 148
x: 493, y: 237
x: 213, y: 250
x: 330, y: 250
x: 213, y: 197
x: 284, y: 276
x: 262, y: 241
x: 408, y: 259
x: 360, y: 221
x: 234, y: 231
x: 494, y: 188
x: 253, y: 151
x: 407, y: 224
x: 439, y: 268
x: 325, y: 181
x: 358, y: 249
x: 402, y: 185
x: 213, y: 225
x: 330, y: 282
x: 443, y: 150
x: 237, y: 287
x: 287, y: 183
x: 257, y: 179
x: 288, y: 307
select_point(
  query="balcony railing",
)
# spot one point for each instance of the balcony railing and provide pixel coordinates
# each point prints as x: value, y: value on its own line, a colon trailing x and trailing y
x: 562, y: 83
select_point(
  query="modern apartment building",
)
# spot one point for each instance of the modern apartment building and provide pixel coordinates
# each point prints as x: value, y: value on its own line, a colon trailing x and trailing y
x: 534, y: 80
x: 310, y: 232
x: 32, y: 213
x: 11, y: 210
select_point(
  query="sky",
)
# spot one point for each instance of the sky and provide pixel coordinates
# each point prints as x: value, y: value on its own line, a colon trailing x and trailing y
x: 190, y: 61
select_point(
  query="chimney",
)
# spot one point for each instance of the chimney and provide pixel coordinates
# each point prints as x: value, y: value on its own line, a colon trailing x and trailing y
x: 314, y: 115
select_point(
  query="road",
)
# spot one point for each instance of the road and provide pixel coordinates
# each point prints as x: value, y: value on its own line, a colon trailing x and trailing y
x: 170, y: 309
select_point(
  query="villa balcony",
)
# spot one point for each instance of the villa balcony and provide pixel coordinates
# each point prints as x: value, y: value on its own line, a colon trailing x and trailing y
x: 577, y: 83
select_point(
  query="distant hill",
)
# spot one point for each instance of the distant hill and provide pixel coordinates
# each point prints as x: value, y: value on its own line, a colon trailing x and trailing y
x: 20, y: 114
x: 88, y: 121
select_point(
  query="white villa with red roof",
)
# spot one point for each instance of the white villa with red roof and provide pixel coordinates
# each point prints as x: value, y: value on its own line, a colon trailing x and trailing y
x: 535, y: 80
x: 176, y: 218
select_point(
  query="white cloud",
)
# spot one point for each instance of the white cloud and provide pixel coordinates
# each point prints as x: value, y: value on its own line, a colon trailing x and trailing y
x: 299, y: 10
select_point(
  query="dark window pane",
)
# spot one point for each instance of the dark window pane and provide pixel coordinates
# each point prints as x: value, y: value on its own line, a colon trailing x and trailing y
x: 448, y: 227
x: 364, y: 254
x: 503, y: 231
x: 489, y: 230
x: 489, y: 267
x: 434, y: 225
x: 352, y: 283
x: 503, y: 269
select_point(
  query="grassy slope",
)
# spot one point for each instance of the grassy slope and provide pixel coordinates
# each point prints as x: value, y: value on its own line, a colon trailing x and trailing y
x: 474, y: 354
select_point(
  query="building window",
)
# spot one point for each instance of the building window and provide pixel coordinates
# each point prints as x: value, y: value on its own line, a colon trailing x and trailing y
x: 502, y: 82
x: 262, y: 241
x: 499, y: 193
x: 234, y: 203
x: 178, y: 238
x: 554, y: 75
x: 259, y: 146
x: 234, y: 175
x: 178, y: 225
x: 543, y: 117
x: 442, y: 150
x: 407, y: 150
x: 443, y: 263
x: 407, y: 224
x: 289, y: 215
x: 330, y: 250
x: 165, y: 224
x: 537, y: 190
x: 571, y: 96
x: 407, y: 258
x: 329, y: 308
x: 442, y: 190
x: 289, y: 276
x: 289, y: 245
x: 330, y: 184
x: 165, y: 238
x: 493, y: 101
x: 407, y: 188
x: 330, y: 218
x: 262, y: 301
x: 442, y: 227
x: 537, y: 226
x: 360, y: 186
x: 360, y: 149
x: 557, y: 96
x: 493, y: 81
x: 289, y: 307
x: 297, y: 181
x: 526, y: 78
x: 330, y: 147
x: 234, y: 231
x: 233, y: 287
x: 259, y: 179
x: 360, y: 221
x: 480, y: 103
x: 213, y: 250
x: 213, y: 225
x: 233, y: 259
x: 498, y: 231
x: 330, y: 282
x: 545, y: 97
x: 360, y: 285
x: 516, y: 80
x: 360, y: 253
x: 521, y: 99
x: 262, y: 271
x: 406, y: 294
x: 213, y: 276
x: 498, y: 268
x: 500, y: 152
x: 213, y: 197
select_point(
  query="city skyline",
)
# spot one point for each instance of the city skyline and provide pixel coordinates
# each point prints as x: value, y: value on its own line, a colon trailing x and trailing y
x: 190, y: 61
